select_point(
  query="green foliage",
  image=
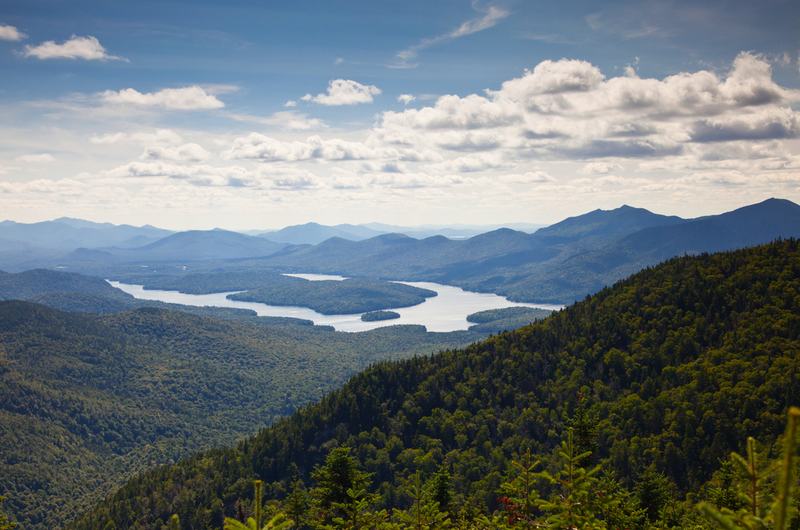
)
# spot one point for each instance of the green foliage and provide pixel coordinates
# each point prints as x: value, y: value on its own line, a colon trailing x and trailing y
x: 374, y: 316
x: 340, y: 492
x: 675, y: 367
x: 426, y: 512
x: 5, y: 522
x: 762, y: 509
x: 497, y: 320
x: 277, y: 522
x: 86, y: 401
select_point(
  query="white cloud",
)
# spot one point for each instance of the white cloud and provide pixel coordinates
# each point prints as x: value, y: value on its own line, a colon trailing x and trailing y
x: 266, y: 149
x: 405, y: 99
x: 295, y: 121
x: 185, y: 98
x: 600, y: 168
x: 39, y: 158
x: 158, y: 136
x: 488, y: 19
x: 190, y: 152
x: 10, y: 33
x: 344, y: 92
x: 290, y: 104
x: 87, y: 48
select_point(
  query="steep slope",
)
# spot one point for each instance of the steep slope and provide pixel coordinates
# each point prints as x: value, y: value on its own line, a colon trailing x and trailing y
x: 673, y: 368
x: 87, y: 401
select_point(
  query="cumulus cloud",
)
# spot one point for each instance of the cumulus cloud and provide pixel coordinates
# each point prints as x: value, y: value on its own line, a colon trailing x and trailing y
x: 87, y: 48
x: 197, y: 174
x: 38, y: 158
x: 405, y: 99
x: 454, y: 112
x: 772, y: 124
x: 600, y: 168
x: 266, y: 149
x: 190, y: 152
x: 344, y: 92
x: 185, y: 98
x: 158, y: 136
x: 10, y: 33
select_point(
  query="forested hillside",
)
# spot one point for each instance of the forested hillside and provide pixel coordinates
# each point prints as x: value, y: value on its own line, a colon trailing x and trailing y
x: 85, y: 401
x: 660, y: 376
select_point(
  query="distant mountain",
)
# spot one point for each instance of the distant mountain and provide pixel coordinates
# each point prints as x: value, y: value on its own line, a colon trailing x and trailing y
x: 195, y: 245
x: 450, y: 231
x: 605, y: 224
x: 67, y: 234
x: 745, y: 226
x: 314, y: 233
x: 560, y: 263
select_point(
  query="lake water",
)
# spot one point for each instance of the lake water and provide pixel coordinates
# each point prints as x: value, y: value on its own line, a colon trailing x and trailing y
x: 445, y: 312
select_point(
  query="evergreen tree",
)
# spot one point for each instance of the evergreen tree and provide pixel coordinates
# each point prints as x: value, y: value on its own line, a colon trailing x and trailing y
x: 762, y: 510
x: 655, y: 492
x: 277, y: 522
x: 425, y: 512
x: 340, y: 484
x: 5, y: 523
x: 519, y: 496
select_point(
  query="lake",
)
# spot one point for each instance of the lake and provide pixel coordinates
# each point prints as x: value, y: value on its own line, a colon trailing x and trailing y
x: 445, y: 312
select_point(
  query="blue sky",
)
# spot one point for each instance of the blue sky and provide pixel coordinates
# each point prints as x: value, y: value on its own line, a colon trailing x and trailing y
x: 175, y: 113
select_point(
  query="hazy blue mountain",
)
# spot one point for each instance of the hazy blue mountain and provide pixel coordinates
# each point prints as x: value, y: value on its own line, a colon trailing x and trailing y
x: 606, y: 224
x: 560, y: 263
x: 314, y: 233
x: 580, y: 271
x: 451, y: 231
x: 750, y: 225
x: 194, y: 245
x: 66, y: 234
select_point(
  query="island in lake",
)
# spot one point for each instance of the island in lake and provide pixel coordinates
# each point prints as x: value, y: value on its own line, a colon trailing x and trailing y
x: 374, y: 316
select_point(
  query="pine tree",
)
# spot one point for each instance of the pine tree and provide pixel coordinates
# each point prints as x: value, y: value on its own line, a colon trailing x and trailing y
x: 298, y: 504
x: 340, y: 483
x: 759, y: 510
x: 425, y: 512
x: 519, y: 496
x: 5, y: 522
x: 278, y: 522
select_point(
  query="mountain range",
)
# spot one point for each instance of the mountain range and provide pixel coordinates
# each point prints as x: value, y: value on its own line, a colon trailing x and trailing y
x: 559, y: 263
x: 555, y: 264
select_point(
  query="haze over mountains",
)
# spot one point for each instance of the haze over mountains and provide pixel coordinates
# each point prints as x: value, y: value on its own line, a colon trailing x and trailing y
x: 558, y: 263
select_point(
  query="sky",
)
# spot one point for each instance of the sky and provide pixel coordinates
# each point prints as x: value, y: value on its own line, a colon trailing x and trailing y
x: 250, y: 115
